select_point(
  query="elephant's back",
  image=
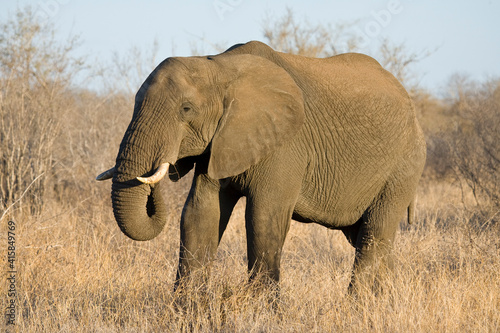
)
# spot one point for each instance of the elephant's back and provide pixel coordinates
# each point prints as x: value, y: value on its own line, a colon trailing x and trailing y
x: 354, y: 98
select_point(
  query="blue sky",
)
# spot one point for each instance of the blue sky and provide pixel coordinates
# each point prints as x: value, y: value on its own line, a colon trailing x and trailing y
x: 466, y: 34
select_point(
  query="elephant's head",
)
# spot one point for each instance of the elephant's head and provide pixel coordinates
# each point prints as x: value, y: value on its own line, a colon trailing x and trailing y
x: 231, y: 109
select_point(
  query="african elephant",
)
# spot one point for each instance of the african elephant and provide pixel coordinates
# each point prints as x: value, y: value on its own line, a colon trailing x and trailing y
x: 333, y: 141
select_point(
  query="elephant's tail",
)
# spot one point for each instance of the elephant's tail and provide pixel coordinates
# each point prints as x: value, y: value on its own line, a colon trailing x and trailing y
x: 411, y: 211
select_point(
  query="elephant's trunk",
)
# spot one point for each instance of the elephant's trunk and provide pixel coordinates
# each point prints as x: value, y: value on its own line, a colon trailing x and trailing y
x: 138, y: 209
x: 137, y: 204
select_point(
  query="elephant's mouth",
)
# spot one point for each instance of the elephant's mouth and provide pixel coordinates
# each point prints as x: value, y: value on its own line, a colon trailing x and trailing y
x: 150, y: 206
x: 153, y: 179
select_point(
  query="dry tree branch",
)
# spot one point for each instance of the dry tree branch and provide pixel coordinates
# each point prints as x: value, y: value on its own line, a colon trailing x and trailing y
x: 20, y: 198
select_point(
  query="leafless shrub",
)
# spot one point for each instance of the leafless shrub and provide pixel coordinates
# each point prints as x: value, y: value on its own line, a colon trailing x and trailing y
x: 436, y: 121
x: 398, y: 60
x: 475, y: 140
x: 288, y: 34
x: 51, y: 129
x: 35, y: 72
x: 130, y: 69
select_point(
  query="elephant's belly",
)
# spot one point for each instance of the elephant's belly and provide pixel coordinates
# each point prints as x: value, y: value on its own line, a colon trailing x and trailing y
x: 337, y: 199
x: 331, y: 215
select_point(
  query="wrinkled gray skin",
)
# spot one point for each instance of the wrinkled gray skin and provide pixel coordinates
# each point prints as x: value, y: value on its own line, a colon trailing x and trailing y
x: 332, y: 141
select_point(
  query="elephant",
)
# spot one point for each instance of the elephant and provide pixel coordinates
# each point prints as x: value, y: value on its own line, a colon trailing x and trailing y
x: 333, y: 141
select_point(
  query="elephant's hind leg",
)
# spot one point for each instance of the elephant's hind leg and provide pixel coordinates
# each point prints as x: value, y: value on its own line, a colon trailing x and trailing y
x: 373, y: 255
x: 375, y: 236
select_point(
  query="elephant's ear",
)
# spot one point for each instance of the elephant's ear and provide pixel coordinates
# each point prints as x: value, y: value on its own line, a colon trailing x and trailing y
x: 263, y: 109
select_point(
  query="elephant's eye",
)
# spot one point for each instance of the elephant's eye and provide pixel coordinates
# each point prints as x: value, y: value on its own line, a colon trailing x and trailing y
x: 186, y: 107
x: 186, y: 111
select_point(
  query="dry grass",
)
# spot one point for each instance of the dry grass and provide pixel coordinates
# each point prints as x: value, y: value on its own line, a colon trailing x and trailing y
x: 78, y: 273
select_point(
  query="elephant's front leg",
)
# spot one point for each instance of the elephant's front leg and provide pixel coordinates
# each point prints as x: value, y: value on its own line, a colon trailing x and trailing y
x: 204, y: 219
x: 267, y: 224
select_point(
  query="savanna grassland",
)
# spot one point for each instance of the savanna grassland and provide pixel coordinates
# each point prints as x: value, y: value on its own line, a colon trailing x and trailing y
x: 76, y: 271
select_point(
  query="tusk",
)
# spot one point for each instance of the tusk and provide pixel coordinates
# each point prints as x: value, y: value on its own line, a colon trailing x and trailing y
x: 108, y: 174
x: 158, y: 175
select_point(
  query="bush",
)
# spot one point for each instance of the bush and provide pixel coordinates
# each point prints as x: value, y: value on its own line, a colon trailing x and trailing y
x: 475, y: 141
x: 34, y: 74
